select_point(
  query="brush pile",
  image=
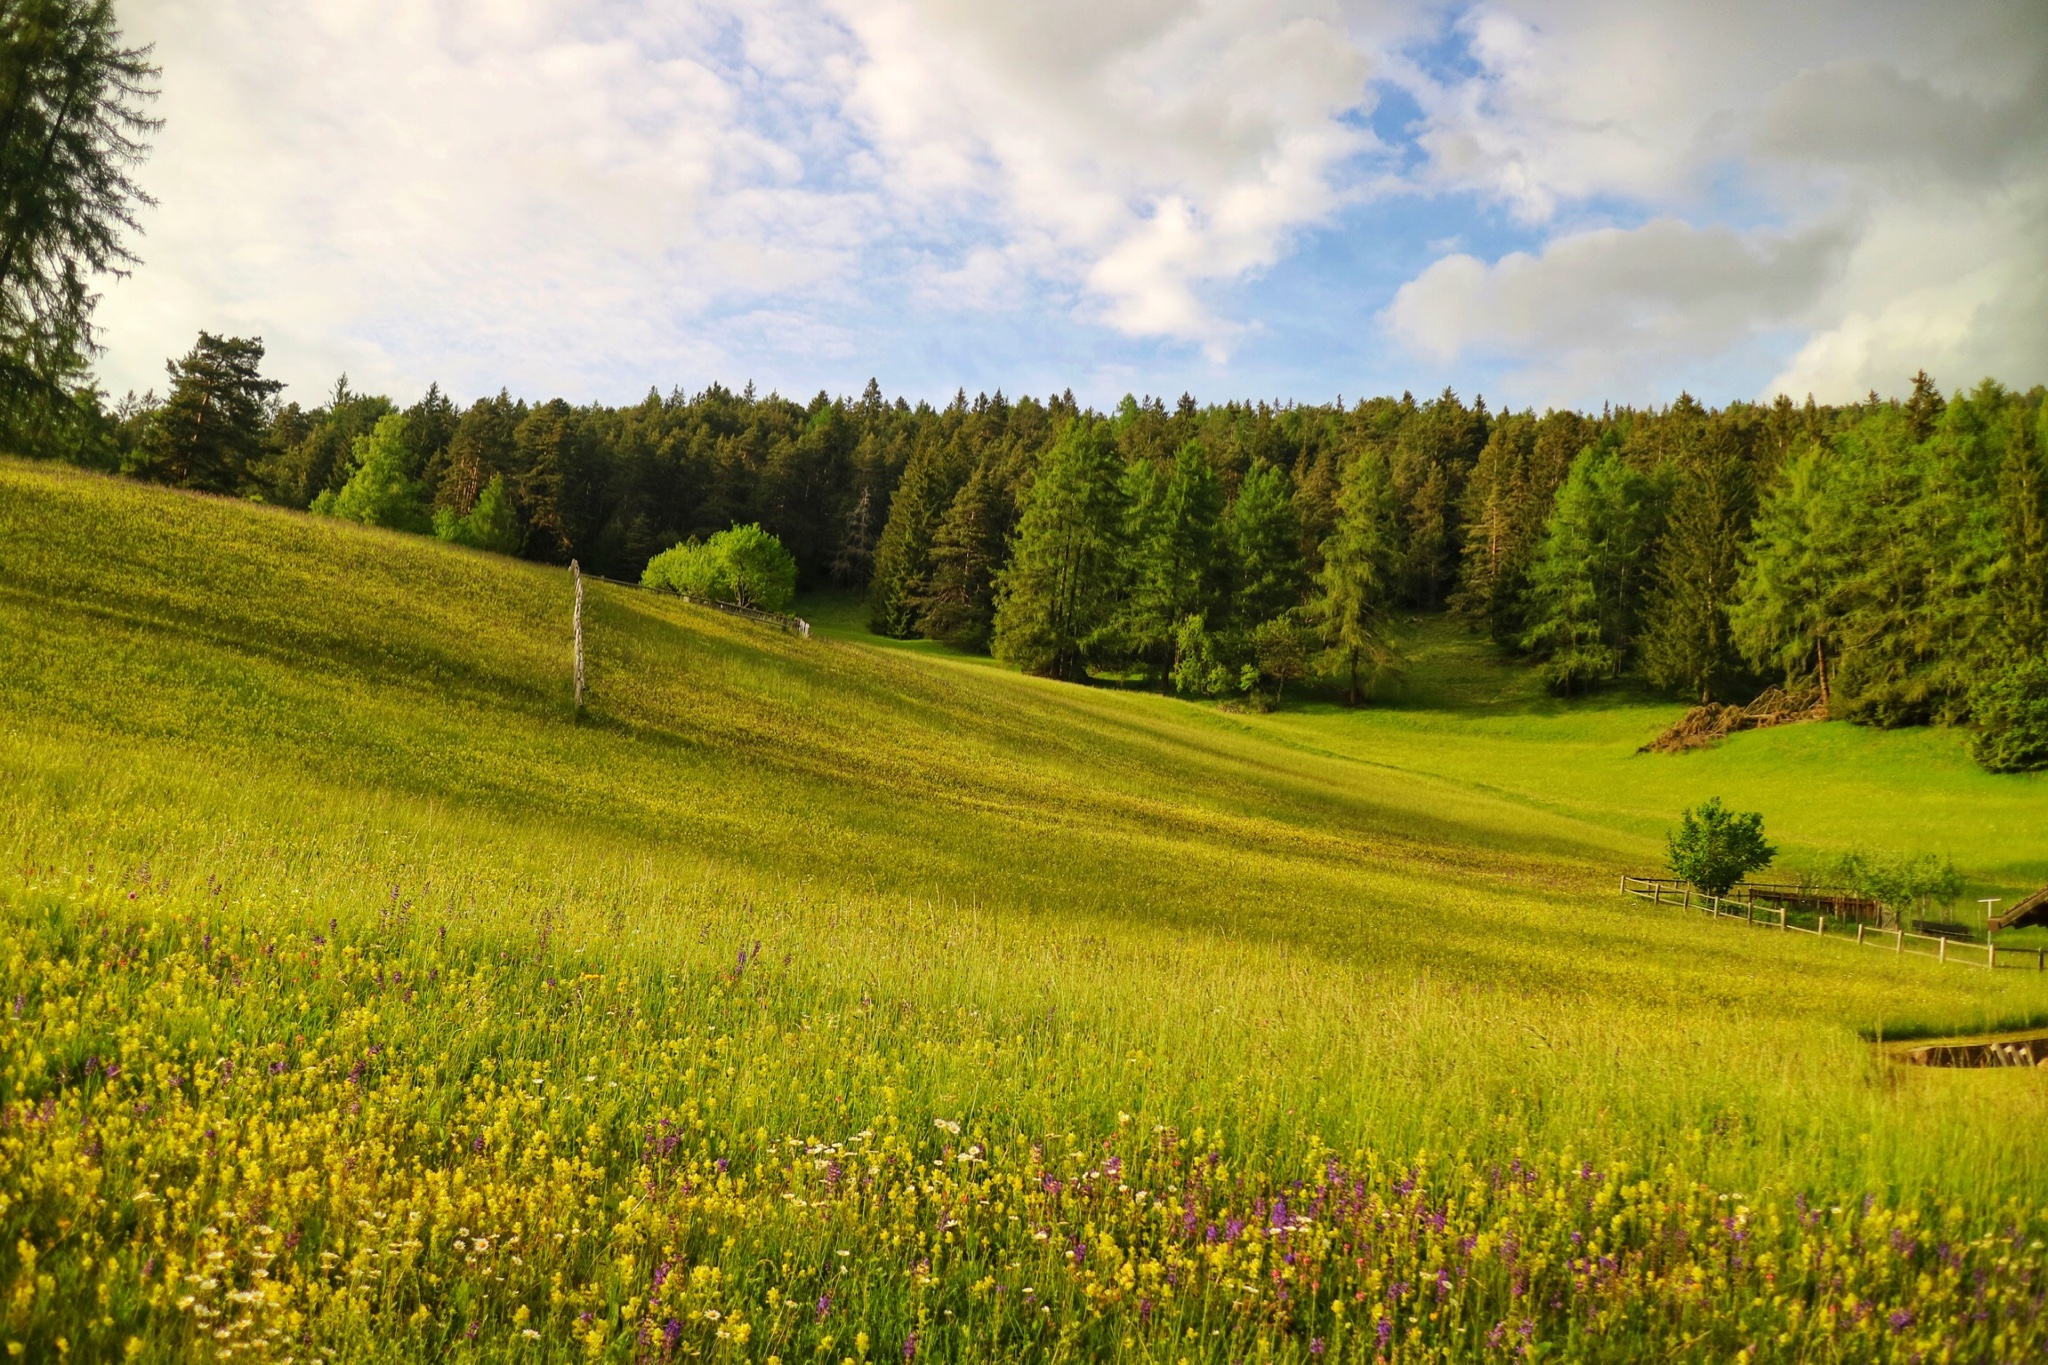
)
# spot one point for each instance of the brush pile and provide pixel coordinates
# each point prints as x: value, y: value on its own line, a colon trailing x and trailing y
x: 1708, y: 724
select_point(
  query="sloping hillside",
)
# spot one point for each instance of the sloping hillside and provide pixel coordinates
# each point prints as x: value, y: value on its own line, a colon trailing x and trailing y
x: 270, y: 759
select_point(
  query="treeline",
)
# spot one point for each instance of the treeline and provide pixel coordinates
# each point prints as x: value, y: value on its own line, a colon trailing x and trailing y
x: 1891, y: 556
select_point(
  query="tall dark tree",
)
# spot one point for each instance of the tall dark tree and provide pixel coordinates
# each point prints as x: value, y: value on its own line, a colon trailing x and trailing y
x: 1263, y: 537
x: 212, y: 428
x: 958, y: 604
x: 1687, y: 643
x: 72, y: 130
x: 1356, y: 589
x: 1174, y: 557
x: 1060, y: 586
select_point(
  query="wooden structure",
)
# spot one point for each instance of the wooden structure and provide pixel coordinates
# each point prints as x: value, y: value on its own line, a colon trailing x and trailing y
x: 1837, y: 903
x: 2032, y: 910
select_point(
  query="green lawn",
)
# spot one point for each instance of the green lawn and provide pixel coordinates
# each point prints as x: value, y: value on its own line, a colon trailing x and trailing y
x: 282, y: 791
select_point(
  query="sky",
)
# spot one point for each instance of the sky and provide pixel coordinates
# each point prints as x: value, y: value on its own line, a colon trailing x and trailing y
x: 1557, y: 204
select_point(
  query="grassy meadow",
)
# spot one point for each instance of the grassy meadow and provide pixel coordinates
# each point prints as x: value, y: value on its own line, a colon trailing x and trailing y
x: 838, y: 1000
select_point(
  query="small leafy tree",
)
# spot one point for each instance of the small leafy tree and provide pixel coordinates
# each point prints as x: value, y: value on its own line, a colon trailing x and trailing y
x: 745, y: 566
x: 1280, y: 653
x: 1715, y: 848
x: 1198, y: 669
x: 1899, y: 880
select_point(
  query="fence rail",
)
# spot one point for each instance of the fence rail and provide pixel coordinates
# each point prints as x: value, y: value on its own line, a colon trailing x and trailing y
x: 795, y: 625
x: 1900, y: 941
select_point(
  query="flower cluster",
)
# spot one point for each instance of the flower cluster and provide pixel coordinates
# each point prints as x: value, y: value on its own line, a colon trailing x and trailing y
x: 222, y: 1142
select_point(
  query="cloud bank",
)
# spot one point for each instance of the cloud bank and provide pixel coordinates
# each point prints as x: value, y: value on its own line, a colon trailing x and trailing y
x: 1555, y: 203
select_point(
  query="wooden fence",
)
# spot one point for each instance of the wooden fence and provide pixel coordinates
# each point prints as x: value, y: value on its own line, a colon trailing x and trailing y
x: 795, y: 625
x: 1901, y: 942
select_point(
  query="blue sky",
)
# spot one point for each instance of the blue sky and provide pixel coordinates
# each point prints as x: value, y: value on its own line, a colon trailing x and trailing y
x: 1560, y: 204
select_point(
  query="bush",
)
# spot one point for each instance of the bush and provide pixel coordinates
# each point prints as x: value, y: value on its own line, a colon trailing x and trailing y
x: 2011, y: 711
x: 1198, y: 669
x: 745, y: 566
x: 1714, y: 848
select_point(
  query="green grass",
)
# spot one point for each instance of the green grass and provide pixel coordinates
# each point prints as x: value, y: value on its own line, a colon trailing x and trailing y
x: 1058, y: 915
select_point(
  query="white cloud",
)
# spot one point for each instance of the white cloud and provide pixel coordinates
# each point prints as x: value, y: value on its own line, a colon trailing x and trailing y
x: 1612, y: 307
x: 1144, y: 149
x: 1866, y: 177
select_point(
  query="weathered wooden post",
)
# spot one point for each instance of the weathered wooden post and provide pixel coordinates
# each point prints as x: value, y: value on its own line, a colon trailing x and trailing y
x: 1941, y: 952
x: 576, y: 573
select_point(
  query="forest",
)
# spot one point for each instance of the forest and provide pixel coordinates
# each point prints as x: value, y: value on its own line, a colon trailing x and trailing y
x: 1891, y: 557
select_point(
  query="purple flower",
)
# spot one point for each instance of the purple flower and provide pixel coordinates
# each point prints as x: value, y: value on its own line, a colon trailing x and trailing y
x: 1315, y: 1346
x: 671, y: 1333
x: 1900, y: 1319
x: 475, y: 1326
x: 824, y: 1306
x: 910, y: 1347
x: 1384, y: 1331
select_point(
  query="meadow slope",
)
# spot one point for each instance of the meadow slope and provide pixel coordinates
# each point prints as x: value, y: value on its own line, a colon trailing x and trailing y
x: 817, y: 998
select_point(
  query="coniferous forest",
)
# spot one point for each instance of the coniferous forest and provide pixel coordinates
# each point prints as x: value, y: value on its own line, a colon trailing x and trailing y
x: 1890, y: 557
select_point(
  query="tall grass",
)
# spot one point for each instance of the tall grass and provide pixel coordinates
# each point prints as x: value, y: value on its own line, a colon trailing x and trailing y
x: 391, y: 952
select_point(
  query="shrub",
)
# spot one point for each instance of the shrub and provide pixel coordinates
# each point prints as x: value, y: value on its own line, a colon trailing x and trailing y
x: 745, y: 566
x: 1898, y: 879
x: 1714, y: 848
x: 2011, y: 711
x: 1197, y: 669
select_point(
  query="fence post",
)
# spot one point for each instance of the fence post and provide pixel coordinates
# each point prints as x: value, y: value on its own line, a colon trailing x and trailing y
x: 576, y: 573
x: 1859, y: 933
x: 1823, y: 930
x: 1941, y: 953
x: 1781, y: 918
x: 1900, y: 947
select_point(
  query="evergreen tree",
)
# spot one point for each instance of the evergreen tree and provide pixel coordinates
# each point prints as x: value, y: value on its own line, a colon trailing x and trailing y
x: 2020, y: 578
x: 381, y: 491
x: 1059, y: 588
x: 71, y: 132
x: 958, y: 605
x: 1924, y: 408
x: 856, y: 556
x: 1174, y: 539
x: 1263, y: 541
x: 931, y: 481
x: 491, y: 524
x: 213, y: 426
x: 1586, y: 586
x: 1788, y: 601
x: 1358, y: 580
x: 1687, y: 644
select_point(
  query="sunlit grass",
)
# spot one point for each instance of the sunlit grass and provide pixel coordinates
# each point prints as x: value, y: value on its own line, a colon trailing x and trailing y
x: 289, y: 795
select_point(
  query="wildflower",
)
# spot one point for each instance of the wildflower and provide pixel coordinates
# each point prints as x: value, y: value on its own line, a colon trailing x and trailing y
x: 910, y: 1347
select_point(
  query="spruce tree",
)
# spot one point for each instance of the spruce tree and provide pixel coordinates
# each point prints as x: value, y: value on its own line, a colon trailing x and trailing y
x: 1586, y: 587
x: 958, y: 605
x: 1686, y: 644
x: 1263, y: 541
x: 1787, y: 604
x: 1174, y: 535
x: 931, y: 481
x: 1361, y: 561
x: 1059, y: 588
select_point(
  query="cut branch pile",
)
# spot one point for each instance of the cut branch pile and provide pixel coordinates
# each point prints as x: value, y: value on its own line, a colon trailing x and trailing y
x: 1708, y: 724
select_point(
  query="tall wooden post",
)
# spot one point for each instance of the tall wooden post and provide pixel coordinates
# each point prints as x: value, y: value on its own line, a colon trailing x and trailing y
x: 576, y: 573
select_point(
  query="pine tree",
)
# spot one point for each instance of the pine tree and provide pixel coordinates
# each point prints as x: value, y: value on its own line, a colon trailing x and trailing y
x: 1059, y: 588
x: 932, y: 479
x: 1924, y: 408
x: 211, y: 429
x: 1586, y: 587
x: 381, y: 491
x: 855, y: 558
x: 1263, y: 539
x: 1687, y: 644
x: 2020, y: 581
x: 1174, y: 535
x: 958, y: 605
x: 1788, y: 601
x: 1358, y: 581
